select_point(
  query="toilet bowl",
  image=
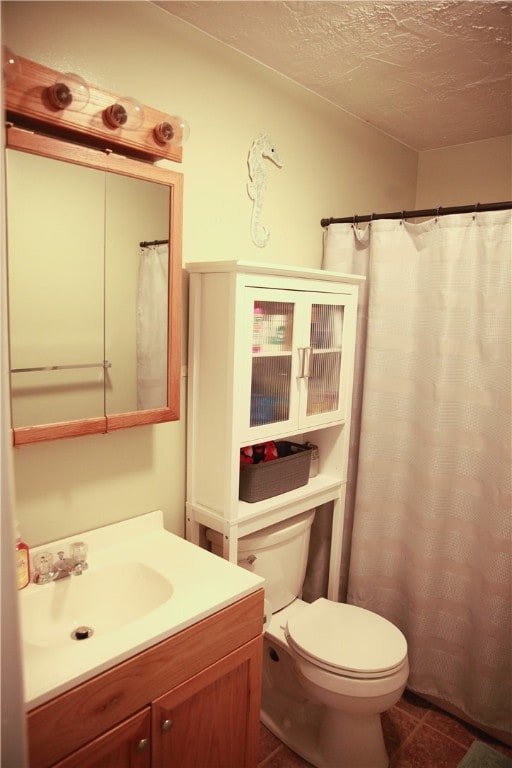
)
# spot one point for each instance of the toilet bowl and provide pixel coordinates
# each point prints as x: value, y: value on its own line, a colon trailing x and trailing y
x: 329, y: 669
x: 353, y: 662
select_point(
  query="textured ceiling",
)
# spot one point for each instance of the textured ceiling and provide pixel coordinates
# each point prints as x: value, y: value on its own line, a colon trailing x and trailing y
x: 428, y: 73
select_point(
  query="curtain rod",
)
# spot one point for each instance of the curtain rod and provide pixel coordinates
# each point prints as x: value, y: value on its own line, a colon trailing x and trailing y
x: 146, y: 243
x: 502, y: 206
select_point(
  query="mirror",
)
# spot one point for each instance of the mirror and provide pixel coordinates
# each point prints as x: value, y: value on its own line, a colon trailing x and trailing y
x: 94, y: 319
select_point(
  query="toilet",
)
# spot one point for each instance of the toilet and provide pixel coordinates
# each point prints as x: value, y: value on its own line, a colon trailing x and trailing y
x: 329, y: 669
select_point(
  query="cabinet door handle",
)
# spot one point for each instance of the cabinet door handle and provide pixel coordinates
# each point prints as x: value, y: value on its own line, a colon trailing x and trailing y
x: 166, y: 726
x: 308, y: 354
x: 142, y: 745
x: 302, y: 357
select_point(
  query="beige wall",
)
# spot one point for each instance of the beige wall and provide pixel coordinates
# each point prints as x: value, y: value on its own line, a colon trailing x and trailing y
x: 480, y: 172
x: 333, y: 165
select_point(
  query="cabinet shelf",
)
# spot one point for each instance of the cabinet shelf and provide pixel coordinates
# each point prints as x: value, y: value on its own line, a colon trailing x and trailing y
x: 318, y: 490
x: 276, y: 432
x: 252, y: 517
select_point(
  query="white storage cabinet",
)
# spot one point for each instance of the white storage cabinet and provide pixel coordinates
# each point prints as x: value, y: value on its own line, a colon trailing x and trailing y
x: 271, y: 357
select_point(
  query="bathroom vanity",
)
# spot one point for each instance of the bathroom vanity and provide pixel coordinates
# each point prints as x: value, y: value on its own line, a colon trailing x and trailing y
x: 178, y: 684
x: 191, y: 700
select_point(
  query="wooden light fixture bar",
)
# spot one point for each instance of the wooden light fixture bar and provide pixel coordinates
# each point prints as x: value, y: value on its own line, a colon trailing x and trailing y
x: 28, y: 105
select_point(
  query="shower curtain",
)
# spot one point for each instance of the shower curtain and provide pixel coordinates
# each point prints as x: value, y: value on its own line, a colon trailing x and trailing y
x: 151, y: 327
x: 428, y: 519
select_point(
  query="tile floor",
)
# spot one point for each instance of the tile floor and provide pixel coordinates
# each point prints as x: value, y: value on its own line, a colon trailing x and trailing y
x: 417, y: 735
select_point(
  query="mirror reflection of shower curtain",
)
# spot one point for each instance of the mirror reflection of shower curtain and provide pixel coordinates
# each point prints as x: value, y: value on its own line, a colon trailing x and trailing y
x: 152, y: 327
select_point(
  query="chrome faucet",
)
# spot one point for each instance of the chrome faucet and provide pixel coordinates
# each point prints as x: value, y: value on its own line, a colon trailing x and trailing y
x: 65, y: 566
x: 46, y: 570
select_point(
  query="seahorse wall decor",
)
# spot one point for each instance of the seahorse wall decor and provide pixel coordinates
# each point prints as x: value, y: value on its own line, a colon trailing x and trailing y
x: 261, y: 147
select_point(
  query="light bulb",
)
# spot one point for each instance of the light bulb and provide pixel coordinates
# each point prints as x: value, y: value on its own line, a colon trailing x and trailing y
x: 174, y: 129
x: 11, y: 66
x: 69, y: 91
x: 125, y: 113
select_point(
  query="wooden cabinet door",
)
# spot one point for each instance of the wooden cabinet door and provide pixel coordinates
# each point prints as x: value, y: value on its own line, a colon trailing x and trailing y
x: 212, y: 720
x: 127, y: 745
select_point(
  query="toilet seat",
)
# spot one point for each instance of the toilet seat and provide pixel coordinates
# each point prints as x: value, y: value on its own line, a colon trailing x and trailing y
x: 347, y: 640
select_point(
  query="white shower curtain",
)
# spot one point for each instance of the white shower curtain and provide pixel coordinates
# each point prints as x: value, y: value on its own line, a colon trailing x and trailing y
x: 152, y: 325
x: 428, y: 512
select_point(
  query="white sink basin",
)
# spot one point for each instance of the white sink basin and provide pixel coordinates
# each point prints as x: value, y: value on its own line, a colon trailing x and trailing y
x: 142, y: 585
x: 102, y: 600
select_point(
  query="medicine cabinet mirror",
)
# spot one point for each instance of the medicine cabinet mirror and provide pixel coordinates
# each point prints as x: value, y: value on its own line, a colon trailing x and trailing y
x: 94, y: 316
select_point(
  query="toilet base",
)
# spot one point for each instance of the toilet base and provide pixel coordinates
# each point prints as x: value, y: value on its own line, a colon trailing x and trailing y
x: 352, y: 740
x: 324, y: 737
x: 302, y: 744
x: 341, y: 747
x: 286, y: 710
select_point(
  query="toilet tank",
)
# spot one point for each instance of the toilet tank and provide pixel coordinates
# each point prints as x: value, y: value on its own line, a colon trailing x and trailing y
x: 278, y: 553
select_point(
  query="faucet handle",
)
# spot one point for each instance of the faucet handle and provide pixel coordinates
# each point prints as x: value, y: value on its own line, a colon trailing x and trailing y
x: 44, y: 570
x: 79, y: 553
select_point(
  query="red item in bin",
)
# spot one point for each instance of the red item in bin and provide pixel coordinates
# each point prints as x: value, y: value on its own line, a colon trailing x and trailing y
x: 253, y: 454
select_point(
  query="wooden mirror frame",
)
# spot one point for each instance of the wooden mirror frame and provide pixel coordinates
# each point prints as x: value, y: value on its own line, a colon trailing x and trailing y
x: 45, y: 146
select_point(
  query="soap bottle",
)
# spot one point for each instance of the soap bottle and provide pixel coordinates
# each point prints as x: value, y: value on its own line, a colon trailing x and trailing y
x: 22, y: 561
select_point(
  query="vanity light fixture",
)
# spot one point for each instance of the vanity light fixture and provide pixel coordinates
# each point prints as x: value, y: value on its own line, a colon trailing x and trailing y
x: 64, y: 105
x: 173, y: 128
x: 69, y: 91
x: 125, y: 113
x: 11, y: 65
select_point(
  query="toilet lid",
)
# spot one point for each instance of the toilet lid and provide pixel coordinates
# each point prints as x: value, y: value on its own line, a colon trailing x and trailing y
x: 352, y: 640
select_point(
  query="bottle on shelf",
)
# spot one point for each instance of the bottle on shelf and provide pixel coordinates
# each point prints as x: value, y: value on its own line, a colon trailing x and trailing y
x: 277, y: 330
x: 258, y: 329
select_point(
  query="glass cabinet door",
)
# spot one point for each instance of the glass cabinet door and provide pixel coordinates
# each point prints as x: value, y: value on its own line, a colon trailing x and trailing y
x: 297, y: 363
x: 322, y: 363
x: 272, y: 359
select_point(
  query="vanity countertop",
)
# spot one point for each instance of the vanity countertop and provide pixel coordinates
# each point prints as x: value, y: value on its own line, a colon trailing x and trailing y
x: 142, y: 585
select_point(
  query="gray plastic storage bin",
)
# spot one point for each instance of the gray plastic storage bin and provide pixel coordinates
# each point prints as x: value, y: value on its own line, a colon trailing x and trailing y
x: 270, y: 478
